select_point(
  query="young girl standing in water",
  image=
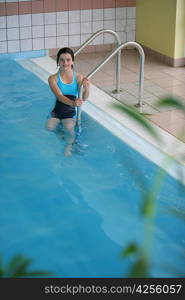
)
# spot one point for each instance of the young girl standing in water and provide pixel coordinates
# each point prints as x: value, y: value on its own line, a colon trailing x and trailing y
x: 65, y: 84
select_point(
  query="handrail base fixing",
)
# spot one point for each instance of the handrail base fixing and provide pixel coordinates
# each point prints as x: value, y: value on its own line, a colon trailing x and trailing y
x: 139, y: 104
x: 116, y: 91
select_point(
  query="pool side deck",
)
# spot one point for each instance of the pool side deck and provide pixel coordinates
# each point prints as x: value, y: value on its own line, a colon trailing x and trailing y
x: 119, y: 123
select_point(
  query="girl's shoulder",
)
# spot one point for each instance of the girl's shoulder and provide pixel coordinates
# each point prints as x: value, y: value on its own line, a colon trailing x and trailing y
x: 53, y: 77
x: 79, y: 78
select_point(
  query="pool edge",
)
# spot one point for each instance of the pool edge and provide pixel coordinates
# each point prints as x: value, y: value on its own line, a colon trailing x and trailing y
x: 99, y: 108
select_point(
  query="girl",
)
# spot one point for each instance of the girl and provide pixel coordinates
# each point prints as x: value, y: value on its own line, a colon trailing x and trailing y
x: 65, y: 84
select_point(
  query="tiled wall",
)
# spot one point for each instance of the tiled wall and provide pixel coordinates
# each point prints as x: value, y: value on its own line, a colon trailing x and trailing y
x: 50, y: 24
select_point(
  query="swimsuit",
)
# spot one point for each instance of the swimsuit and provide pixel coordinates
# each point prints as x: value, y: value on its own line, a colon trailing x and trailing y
x: 70, y: 90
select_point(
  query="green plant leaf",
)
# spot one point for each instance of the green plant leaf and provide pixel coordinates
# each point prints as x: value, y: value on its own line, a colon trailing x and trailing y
x: 148, y: 204
x: 18, y: 265
x: 171, y: 102
x: 1, y: 267
x: 150, y: 198
x: 133, y: 113
x: 132, y: 248
x: 140, y: 269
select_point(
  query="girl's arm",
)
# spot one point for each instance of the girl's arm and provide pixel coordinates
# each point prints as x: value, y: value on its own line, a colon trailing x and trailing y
x: 52, y: 80
x: 86, y: 85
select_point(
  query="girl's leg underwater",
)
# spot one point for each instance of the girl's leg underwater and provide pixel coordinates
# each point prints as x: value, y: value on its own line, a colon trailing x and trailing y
x: 68, y: 126
x: 52, y: 123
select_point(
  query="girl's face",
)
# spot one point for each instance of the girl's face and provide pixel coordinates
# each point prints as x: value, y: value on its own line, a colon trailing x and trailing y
x: 65, y: 61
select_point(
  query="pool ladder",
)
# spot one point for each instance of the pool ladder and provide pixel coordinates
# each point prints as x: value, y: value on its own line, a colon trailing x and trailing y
x: 115, y: 51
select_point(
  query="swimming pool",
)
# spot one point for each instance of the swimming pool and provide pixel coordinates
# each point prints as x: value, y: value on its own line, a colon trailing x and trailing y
x: 73, y: 216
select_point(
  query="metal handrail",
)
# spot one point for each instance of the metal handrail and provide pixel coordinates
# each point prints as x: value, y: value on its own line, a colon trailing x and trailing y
x: 141, y: 74
x: 118, y: 62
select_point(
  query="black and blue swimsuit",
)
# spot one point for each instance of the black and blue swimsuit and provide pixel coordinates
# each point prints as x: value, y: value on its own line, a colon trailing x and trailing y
x: 69, y: 90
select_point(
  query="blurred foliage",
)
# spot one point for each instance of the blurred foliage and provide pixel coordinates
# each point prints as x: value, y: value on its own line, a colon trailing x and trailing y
x: 18, y: 266
x: 140, y: 268
x: 130, y: 249
x: 140, y: 119
x: 142, y: 265
x: 171, y: 102
x: 148, y: 208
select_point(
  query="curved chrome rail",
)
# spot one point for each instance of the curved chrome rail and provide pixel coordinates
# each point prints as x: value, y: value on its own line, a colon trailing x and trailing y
x: 118, y: 42
x: 141, y: 74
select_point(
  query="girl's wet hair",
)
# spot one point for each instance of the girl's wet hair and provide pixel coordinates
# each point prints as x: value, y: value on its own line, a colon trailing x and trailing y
x: 65, y: 50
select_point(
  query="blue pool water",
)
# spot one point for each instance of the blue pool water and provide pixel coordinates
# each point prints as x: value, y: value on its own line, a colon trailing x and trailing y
x: 74, y: 215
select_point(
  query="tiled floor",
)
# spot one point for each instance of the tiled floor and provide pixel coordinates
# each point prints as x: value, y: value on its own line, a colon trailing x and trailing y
x: 160, y: 81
